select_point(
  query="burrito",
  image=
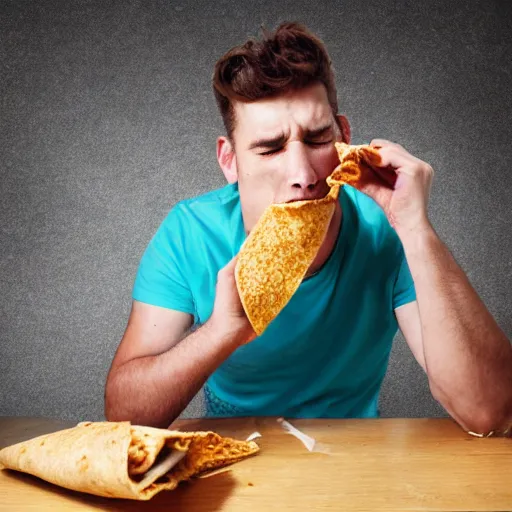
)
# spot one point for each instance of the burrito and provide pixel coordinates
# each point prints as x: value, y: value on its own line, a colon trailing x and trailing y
x: 276, y: 255
x: 120, y: 460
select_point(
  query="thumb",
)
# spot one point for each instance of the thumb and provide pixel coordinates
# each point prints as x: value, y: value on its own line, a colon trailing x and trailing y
x: 229, y: 268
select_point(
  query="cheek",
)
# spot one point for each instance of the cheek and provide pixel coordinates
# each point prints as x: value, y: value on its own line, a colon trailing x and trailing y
x: 326, y: 161
x: 258, y: 189
x: 259, y: 174
x: 260, y: 185
x: 257, y: 182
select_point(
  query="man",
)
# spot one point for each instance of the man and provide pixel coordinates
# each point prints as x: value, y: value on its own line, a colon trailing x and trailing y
x: 380, y: 267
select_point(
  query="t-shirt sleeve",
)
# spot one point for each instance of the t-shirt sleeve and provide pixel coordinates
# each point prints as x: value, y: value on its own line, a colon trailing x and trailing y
x: 404, y: 290
x: 161, y: 276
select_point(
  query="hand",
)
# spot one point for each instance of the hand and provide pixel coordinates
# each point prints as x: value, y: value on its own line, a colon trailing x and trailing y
x: 228, y: 317
x: 405, y: 205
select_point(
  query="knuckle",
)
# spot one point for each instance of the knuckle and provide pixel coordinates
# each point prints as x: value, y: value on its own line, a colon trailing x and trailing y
x: 427, y: 169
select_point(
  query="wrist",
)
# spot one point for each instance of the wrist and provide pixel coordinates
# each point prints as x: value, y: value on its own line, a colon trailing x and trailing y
x: 415, y: 239
x: 228, y: 331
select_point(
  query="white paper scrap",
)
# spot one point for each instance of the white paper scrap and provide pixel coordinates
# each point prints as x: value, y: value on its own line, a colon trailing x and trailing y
x: 254, y: 436
x: 307, y: 441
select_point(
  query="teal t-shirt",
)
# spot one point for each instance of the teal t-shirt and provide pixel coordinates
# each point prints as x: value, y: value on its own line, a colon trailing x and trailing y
x: 327, y: 352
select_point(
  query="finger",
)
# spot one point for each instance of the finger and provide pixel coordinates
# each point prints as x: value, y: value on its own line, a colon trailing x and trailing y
x: 399, y: 160
x: 384, y: 143
x: 380, y: 143
x: 230, y: 267
x: 385, y: 175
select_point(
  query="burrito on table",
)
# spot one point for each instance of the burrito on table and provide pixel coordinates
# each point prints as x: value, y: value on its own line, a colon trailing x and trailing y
x: 120, y: 460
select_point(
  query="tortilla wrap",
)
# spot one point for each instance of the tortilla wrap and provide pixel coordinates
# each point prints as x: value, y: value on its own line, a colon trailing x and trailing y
x: 360, y: 166
x: 276, y: 255
x: 118, y: 460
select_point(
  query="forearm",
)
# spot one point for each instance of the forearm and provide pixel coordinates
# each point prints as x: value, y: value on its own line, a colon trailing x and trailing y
x: 468, y: 358
x: 154, y: 390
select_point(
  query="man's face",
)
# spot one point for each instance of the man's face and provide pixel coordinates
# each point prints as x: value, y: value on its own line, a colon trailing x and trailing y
x: 284, y: 149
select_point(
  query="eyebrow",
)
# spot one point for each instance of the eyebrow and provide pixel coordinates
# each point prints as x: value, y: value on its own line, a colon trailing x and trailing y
x: 272, y: 142
x: 278, y: 140
x: 318, y: 131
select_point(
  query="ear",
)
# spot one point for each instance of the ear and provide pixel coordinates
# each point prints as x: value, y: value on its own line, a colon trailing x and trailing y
x: 344, y: 127
x: 227, y: 159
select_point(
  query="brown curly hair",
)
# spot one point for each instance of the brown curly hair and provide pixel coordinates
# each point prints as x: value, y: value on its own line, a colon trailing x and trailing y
x: 289, y: 58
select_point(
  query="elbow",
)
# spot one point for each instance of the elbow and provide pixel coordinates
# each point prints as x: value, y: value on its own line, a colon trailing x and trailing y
x: 483, y: 422
x: 110, y: 411
x: 114, y: 406
x: 497, y: 417
x: 119, y: 407
x: 493, y: 417
x: 116, y: 410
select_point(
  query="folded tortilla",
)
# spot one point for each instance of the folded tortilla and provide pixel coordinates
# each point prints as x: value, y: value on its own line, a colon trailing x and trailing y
x: 276, y: 255
x: 118, y: 460
x: 359, y: 166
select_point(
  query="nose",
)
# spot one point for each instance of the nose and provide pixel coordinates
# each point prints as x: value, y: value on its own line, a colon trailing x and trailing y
x: 300, y: 172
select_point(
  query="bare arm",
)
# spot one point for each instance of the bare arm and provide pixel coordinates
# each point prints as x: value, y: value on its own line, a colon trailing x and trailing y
x: 408, y: 317
x: 467, y: 357
x: 156, y: 372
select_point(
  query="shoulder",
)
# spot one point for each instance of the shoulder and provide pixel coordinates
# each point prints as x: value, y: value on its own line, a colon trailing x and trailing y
x: 214, y: 200
x: 211, y: 205
x: 201, y: 211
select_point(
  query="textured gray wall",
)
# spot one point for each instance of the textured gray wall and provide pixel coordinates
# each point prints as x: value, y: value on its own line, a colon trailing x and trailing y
x: 107, y: 119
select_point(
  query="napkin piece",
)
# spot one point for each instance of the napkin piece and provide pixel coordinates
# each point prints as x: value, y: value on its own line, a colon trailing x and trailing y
x: 309, y: 442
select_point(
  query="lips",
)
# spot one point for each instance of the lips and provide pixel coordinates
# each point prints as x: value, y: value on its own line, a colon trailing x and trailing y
x: 313, y: 198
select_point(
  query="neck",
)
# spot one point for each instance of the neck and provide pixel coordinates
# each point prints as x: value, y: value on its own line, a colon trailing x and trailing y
x: 329, y: 242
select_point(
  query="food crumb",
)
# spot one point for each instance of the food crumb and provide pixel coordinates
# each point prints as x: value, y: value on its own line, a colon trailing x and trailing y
x: 250, y: 484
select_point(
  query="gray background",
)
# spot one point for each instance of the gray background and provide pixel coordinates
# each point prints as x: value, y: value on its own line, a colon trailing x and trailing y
x: 107, y: 119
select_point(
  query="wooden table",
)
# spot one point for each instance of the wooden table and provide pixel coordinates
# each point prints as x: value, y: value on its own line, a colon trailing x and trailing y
x: 385, y: 464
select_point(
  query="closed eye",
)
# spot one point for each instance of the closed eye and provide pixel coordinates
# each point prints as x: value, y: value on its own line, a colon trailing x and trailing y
x: 271, y: 152
x: 311, y: 143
